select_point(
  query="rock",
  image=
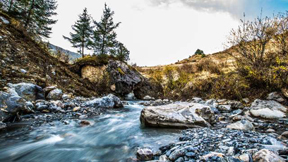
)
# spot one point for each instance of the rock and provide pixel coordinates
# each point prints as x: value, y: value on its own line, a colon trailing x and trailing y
x: 246, y: 100
x: 197, y: 100
x: 55, y: 94
x: 212, y: 156
x: 270, y: 130
x: 284, y: 135
x: 76, y: 109
x: 49, y: 88
x: 66, y: 96
x: 177, y: 153
x: 110, y: 101
x: 224, y: 108
x: 267, y: 109
x: 244, y: 125
x: 265, y: 155
x: 130, y: 96
x: 23, y: 71
x: 181, y: 115
x: 245, y: 158
x: 163, y: 158
x: 2, y: 125
x: 124, y: 78
x: 41, y: 105
x: 275, y: 96
x: 148, y: 98
x: 84, y: 123
x: 144, y: 154
x: 3, y: 97
x: 17, y: 104
x: 285, y: 92
x: 27, y: 91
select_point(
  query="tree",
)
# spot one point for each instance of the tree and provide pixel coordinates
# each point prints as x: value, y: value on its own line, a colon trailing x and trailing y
x: 36, y: 15
x: 104, y: 36
x: 199, y: 52
x: 82, y: 37
x: 250, y: 40
x: 121, y: 52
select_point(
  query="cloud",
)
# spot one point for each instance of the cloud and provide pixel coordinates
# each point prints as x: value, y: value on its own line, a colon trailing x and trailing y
x: 234, y: 7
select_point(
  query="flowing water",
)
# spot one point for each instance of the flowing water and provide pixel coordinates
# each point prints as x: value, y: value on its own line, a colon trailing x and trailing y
x: 114, y: 136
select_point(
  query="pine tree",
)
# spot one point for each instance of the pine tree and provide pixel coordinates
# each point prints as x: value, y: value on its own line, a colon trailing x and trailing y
x: 38, y: 17
x: 104, y: 37
x: 121, y: 52
x: 34, y: 14
x: 83, y: 31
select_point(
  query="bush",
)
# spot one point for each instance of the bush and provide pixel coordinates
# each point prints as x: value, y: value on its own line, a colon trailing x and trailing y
x: 208, y: 65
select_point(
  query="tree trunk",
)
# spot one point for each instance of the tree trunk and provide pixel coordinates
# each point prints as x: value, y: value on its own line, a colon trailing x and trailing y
x: 29, y: 14
x: 10, y: 5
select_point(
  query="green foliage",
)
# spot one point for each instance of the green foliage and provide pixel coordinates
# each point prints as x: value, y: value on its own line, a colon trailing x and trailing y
x: 199, y: 52
x: 104, y: 36
x: 36, y: 15
x: 81, y: 38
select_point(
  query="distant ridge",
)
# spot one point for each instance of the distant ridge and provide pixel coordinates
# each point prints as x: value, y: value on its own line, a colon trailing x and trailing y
x: 72, y: 55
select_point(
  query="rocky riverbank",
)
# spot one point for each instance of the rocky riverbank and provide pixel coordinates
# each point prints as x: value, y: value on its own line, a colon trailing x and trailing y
x: 29, y: 103
x: 223, y: 130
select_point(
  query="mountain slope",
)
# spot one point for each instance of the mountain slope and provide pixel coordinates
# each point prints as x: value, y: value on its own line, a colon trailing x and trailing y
x: 25, y: 60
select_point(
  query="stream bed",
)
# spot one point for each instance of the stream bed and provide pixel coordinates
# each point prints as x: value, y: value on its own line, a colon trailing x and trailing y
x: 113, y: 136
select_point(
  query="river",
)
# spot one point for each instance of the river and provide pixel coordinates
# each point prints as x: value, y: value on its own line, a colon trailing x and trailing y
x: 113, y: 136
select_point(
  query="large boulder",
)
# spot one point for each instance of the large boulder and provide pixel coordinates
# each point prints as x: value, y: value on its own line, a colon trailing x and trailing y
x: 28, y: 91
x: 144, y: 154
x: 110, y: 101
x: 123, y: 77
x: 17, y: 104
x: 267, y: 109
x: 179, y: 115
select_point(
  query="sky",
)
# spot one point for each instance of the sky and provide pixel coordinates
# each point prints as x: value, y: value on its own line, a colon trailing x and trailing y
x: 160, y: 32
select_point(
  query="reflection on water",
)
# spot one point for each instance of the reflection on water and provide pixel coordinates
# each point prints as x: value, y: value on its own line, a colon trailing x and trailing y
x: 111, y: 137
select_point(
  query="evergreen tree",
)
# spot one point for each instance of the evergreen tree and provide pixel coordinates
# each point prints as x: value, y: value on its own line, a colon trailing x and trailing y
x: 34, y: 14
x: 104, y: 37
x: 83, y: 31
x: 121, y: 52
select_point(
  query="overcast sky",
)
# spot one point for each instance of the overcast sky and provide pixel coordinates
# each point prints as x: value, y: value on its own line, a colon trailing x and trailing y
x: 161, y: 32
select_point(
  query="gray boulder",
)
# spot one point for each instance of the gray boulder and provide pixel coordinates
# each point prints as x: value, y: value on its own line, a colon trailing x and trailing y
x: 276, y: 97
x: 17, y: 104
x: 55, y: 94
x: 110, y: 101
x: 27, y: 91
x: 267, y: 109
x: 243, y: 125
x: 180, y: 115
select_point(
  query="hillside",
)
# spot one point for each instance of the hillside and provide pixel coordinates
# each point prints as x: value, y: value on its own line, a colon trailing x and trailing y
x: 25, y: 60
x: 72, y: 55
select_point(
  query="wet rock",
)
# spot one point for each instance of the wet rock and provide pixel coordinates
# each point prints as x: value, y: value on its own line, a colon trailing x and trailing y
x: 41, y: 105
x: 276, y: 97
x: 27, y: 91
x: 267, y: 109
x: 110, y: 101
x: 84, y: 123
x: 267, y: 156
x: 174, y: 115
x: 284, y: 135
x: 244, y: 125
x: 224, y: 108
x: 2, y: 125
x: 212, y: 156
x: 148, y: 98
x: 245, y: 157
x: 270, y: 130
x: 144, y: 154
x: 67, y: 96
x: 177, y: 153
x: 130, y: 96
x: 76, y: 109
x: 17, y: 104
x: 55, y: 94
